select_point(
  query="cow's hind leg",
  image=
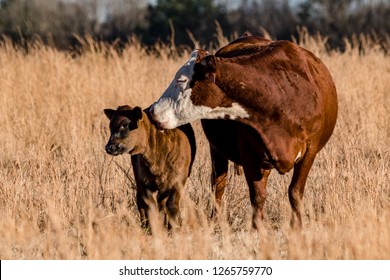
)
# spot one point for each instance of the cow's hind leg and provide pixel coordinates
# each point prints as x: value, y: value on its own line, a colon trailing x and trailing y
x: 218, y: 178
x: 257, y: 183
x: 297, y: 186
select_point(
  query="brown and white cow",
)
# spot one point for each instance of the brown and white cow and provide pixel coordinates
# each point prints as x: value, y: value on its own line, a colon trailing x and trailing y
x: 279, y: 102
x: 162, y: 160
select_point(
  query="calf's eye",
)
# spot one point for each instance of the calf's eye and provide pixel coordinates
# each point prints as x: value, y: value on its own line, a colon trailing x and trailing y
x: 123, y: 127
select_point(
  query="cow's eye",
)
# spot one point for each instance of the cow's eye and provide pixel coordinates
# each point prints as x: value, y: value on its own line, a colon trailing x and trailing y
x: 181, y: 80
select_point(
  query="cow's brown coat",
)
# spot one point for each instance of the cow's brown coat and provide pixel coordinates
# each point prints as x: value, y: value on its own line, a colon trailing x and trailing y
x: 291, y: 100
x: 162, y: 160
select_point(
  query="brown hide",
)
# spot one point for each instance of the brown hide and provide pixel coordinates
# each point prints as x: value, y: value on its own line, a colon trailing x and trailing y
x: 161, y: 160
x: 229, y: 140
x: 291, y: 100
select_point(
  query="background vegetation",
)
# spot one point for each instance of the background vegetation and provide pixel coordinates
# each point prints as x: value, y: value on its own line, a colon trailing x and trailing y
x: 180, y: 22
x: 63, y: 197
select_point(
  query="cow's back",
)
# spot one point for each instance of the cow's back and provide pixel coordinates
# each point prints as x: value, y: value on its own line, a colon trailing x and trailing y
x: 243, y: 46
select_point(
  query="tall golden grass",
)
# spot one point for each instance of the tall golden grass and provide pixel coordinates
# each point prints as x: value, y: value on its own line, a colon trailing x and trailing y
x: 62, y: 197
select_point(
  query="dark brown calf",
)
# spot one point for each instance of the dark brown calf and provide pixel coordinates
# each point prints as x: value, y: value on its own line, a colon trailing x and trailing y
x: 162, y: 160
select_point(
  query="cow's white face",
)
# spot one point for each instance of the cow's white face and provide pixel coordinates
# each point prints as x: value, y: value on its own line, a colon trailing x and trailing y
x: 175, y: 107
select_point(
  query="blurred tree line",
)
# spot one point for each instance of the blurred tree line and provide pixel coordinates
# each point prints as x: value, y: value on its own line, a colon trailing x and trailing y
x: 181, y: 22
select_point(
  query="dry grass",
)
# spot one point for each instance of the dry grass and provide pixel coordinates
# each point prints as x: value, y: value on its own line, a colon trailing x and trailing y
x: 62, y: 197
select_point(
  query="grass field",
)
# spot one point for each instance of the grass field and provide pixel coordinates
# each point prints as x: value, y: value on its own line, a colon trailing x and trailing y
x: 63, y: 197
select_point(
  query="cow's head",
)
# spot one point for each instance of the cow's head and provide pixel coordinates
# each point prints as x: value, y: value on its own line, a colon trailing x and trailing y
x: 194, y: 95
x: 127, y: 135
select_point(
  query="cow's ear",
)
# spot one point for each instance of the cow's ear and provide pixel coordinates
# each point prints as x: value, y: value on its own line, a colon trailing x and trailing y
x: 137, y: 113
x: 208, y: 63
x: 209, y: 67
x: 109, y: 113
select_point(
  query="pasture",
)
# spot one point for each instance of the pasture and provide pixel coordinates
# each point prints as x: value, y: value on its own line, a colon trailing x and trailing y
x: 63, y: 197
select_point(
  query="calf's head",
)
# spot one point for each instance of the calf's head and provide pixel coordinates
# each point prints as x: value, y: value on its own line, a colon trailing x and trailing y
x: 127, y: 133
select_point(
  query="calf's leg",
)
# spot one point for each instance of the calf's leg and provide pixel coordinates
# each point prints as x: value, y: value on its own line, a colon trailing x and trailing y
x: 147, y: 205
x: 172, y: 206
x: 143, y: 209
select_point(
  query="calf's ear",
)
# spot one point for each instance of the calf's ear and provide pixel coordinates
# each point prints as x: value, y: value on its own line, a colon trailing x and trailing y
x: 137, y: 111
x: 109, y: 113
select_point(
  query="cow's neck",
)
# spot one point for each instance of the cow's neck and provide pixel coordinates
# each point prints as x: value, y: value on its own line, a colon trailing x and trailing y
x: 229, y: 106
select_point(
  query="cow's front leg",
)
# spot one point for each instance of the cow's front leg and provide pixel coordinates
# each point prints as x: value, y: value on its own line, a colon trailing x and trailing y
x: 218, y: 178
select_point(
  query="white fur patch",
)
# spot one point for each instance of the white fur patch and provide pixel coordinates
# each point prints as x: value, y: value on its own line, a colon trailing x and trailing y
x: 234, y: 112
x: 175, y: 107
x: 298, y: 156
